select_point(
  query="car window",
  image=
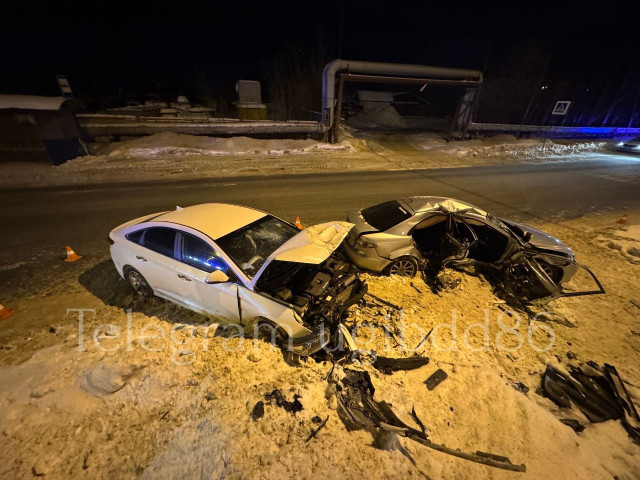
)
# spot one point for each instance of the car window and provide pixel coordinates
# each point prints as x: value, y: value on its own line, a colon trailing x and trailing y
x: 160, y: 239
x: 135, y: 236
x: 199, y: 254
x: 385, y: 215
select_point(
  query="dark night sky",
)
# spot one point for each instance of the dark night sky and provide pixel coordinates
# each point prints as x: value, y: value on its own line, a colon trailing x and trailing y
x: 101, y: 44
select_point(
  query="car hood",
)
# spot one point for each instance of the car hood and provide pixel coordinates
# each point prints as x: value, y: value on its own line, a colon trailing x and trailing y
x: 542, y: 240
x: 312, y: 245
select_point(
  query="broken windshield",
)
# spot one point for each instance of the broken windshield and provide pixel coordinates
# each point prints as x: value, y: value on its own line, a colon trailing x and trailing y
x: 252, y: 244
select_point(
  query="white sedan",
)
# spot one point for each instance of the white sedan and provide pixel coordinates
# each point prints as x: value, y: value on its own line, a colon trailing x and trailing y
x: 243, y: 265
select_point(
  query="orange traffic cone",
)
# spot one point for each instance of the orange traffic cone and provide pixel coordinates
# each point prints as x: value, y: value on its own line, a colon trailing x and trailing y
x: 622, y: 220
x: 71, y: 255
x: 4, y: 312
x: 298, y: 224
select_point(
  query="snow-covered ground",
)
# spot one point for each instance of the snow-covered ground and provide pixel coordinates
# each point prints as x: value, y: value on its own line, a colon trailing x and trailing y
x: 157, y: 394
x: 169, y: 156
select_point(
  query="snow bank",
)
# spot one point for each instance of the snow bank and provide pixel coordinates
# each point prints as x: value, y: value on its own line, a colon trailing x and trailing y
x: 504, y: 146
x: 168, y: 143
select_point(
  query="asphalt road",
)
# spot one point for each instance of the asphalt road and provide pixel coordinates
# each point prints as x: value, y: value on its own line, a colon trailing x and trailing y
x: 41, y: 220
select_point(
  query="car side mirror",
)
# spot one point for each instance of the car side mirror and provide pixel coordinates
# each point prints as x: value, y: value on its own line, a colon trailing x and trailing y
x: 217, y: 276
x: 527, y: 236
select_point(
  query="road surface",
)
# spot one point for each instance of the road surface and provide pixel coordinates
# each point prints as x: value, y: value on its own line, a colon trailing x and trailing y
x: 43, y: 220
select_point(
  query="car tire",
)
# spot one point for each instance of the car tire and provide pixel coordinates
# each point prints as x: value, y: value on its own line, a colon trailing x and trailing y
x: 405, y: 266
x: 138, y: 283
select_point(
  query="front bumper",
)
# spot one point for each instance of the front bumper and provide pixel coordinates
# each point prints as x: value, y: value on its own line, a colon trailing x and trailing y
x: 366, y: 258
x: 309, y: 344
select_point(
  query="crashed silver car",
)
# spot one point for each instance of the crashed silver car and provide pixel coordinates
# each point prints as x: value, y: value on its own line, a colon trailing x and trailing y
x: 411, y: 234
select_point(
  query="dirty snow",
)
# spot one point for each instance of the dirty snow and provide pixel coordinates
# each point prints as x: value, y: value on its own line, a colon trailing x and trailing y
x: 169, y: 156
x: 173, y: 399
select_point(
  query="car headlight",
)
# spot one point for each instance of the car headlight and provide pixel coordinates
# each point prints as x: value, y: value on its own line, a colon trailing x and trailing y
x: 363, y: 243
x: 620, y: 144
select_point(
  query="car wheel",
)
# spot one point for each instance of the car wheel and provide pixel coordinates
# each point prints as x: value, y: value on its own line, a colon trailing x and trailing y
x: 405, y: 266
x: 138, y: 283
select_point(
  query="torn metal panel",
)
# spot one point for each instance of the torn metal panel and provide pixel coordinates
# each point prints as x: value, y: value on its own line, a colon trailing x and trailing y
x: 389, y: 365
x: 598, y: 393
x: 358, y: 409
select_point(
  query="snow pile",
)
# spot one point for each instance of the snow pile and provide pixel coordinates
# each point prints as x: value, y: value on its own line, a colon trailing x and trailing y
x: 382, y: 116
x: 181, y: 408
x: 174, y: 144
x: 507, y: 146
x: 626, y: 240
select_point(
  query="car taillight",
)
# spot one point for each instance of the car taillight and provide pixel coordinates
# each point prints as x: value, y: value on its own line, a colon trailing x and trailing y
x: 111, y: 242
x: 363, y: 243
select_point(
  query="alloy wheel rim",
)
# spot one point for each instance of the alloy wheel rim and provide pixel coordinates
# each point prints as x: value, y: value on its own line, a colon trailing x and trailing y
x: 403, y: 267
x: 135, y: 281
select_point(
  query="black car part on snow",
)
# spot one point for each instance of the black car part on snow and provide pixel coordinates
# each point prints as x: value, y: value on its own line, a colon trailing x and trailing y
x: 358, y: 409
x: 599, y: 393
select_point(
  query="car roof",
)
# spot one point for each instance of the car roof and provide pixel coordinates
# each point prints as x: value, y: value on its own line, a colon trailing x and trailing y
x: 213, y: 219
x: 426, y: 204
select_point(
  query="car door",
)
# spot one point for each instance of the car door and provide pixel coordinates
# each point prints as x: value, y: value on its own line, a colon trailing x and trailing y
x: 156, y: 261
x: 198, y: 259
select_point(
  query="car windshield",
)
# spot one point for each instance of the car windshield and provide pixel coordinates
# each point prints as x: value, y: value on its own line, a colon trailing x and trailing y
x: 385, y: 215
x: 252, y: 244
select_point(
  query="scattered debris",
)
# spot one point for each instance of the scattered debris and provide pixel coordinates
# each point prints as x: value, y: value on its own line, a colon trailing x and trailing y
x: 383, y: 301
x: 84, y: 460
x: 415, y: 288
x: 258, y: 411
x: 574, y: 424
x: 388, y: 365
x: 280, y: 400
x: 635, y: 303
x: 424, y: 339
x: 52, y: 329
x: 315, y: 431
x: 359, y: 410
x: 521, y: 387
x: 416, y: 419
x: 436, y: 379
x: 599, y: 393
x: 570, y: 355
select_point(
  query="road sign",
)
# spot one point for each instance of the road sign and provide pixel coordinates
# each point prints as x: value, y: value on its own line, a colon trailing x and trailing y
x: 561, y: 108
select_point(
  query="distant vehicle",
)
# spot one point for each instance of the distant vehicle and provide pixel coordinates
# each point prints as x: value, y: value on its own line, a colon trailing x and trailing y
x: 407, y: 235
x: 243, y: 265
x: 629, y: 146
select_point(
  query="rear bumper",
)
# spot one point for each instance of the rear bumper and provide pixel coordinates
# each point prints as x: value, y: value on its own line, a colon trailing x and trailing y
x: 366, y: 258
